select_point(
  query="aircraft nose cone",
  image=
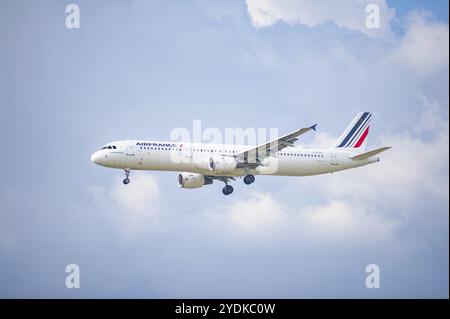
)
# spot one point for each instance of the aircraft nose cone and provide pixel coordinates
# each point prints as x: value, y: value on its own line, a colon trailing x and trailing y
x: 95, y: 157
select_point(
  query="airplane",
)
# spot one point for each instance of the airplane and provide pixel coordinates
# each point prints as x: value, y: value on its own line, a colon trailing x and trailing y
x: 201, y: 164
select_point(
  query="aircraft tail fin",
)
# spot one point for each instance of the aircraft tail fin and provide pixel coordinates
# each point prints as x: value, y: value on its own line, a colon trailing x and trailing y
x: 355, y: 135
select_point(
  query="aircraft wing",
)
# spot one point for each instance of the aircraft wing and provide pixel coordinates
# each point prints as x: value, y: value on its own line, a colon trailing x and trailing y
x: 253, y: 156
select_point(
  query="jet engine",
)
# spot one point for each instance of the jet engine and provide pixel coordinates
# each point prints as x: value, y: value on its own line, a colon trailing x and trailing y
x: 192, y: 180
x: 203, y: 163
x: 222, y: 165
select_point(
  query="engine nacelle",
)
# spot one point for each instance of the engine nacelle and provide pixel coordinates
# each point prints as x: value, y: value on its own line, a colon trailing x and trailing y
x: 192, y: 180
x: 222, y: 165
x: 204, y: 163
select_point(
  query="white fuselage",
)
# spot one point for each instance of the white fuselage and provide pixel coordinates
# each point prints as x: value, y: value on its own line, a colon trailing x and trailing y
x: 193, y: 157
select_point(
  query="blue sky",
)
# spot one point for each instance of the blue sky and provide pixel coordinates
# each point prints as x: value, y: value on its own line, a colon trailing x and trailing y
x: 139, y: 69
x: 437, y: 7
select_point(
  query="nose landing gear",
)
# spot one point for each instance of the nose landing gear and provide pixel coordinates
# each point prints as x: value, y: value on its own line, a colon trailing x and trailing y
x: 126, y: 181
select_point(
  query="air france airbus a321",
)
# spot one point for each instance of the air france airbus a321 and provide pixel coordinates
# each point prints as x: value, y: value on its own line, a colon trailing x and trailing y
x: 201, y: 164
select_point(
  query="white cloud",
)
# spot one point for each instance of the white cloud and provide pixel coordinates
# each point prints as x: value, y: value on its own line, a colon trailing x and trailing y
x: 432, y: 118
x: 261, y: 215
x: 404, y: 173
x: 138, y: 196
x: 259, y: 212
x: 365, y: 204
x: 344, y: 13
x: 414, y: 168
x: 322, y: 140
x: 425, y: 47
x: 337, y: 220
x: 255, y: 215
x: 132, y: 209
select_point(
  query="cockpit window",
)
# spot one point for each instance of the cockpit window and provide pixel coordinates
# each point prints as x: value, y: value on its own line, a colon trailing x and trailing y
x: 110, y: 147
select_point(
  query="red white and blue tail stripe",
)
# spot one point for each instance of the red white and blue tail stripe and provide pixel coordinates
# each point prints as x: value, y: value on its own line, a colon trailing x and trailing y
x: 355, y: 134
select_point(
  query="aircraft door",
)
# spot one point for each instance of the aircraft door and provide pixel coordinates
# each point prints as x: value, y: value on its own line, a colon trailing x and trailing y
x: 333, y: 159
x: 130, y: 149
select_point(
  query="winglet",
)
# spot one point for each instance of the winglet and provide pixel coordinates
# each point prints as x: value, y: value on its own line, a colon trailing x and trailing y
x: 313, y: 127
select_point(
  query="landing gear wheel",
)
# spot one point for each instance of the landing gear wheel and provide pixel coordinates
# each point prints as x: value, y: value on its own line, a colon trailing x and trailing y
x: 249, y: 179
x: 227, y: 190
x: 126, y: 181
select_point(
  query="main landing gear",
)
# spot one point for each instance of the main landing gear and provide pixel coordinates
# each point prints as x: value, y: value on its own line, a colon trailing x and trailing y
x: 227, y: 190
x: 249, y: 179
x: 126, y: 181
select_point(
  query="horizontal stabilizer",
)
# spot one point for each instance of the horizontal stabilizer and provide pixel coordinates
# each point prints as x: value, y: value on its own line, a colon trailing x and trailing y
x: 369, y: 154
